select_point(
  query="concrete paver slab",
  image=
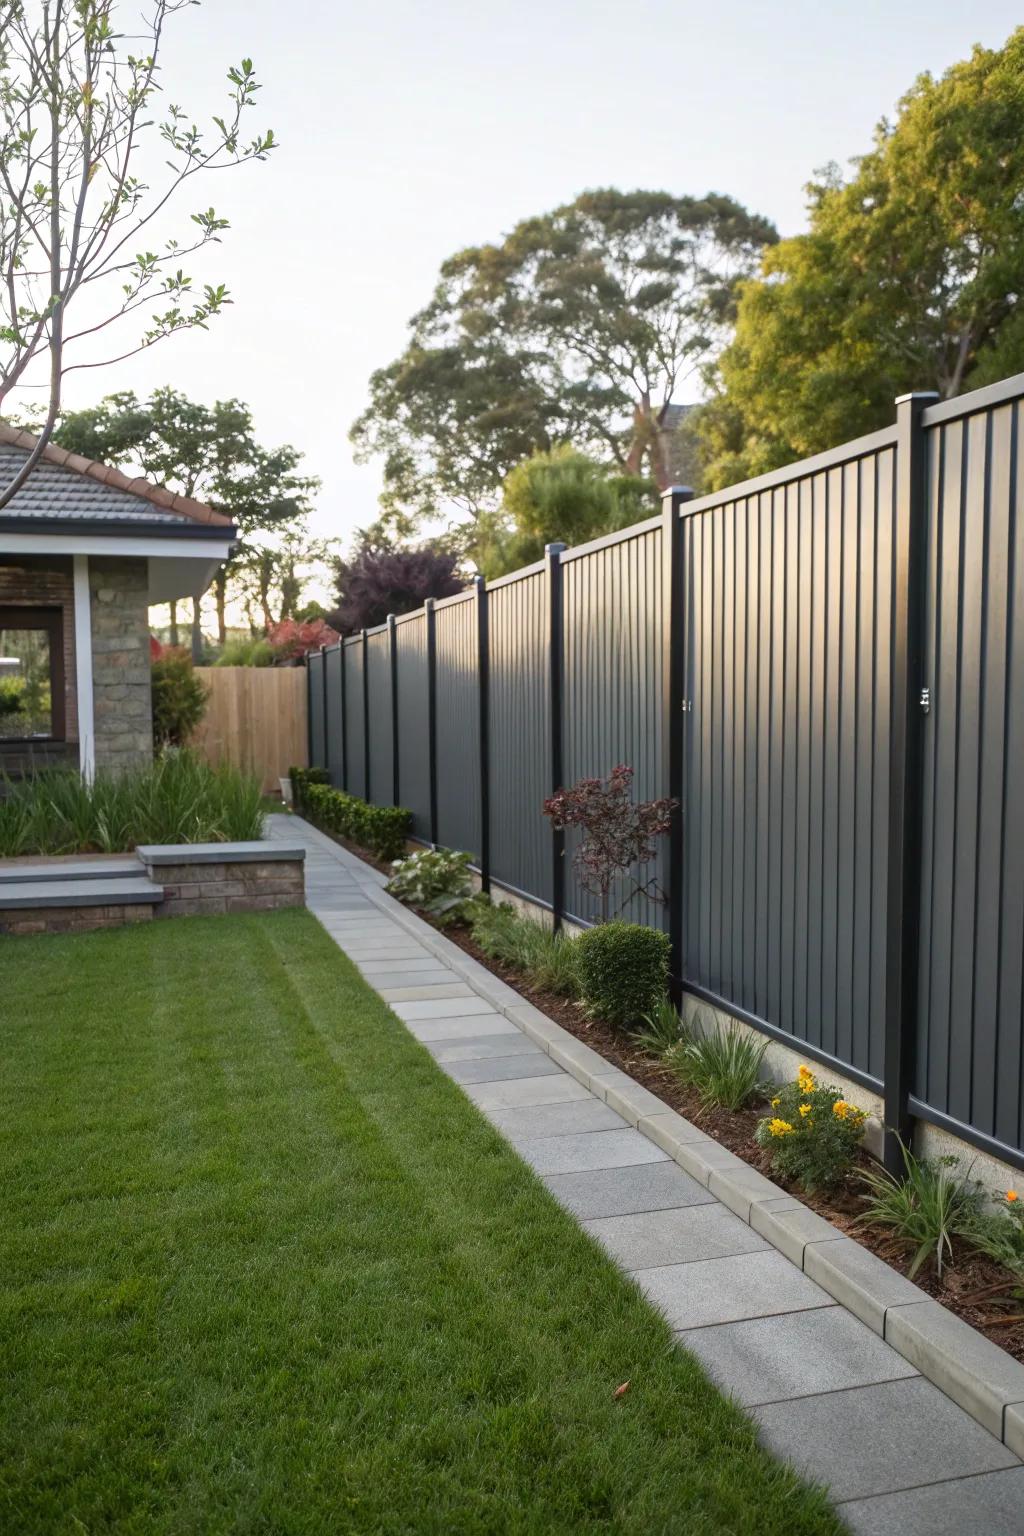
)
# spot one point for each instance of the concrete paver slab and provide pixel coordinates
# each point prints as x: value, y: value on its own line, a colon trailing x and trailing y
x: 728, y: 1290
x: 655, y: 1238
x: 622, y: 1191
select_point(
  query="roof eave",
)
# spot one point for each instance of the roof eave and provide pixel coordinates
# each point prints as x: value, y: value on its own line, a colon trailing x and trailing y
x: 106, y: 527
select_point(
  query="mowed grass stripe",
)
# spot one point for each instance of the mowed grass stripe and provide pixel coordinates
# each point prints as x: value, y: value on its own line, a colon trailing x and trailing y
x: 265, y: 1269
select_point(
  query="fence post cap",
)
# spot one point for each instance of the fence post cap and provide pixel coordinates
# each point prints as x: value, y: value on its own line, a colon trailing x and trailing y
x: 554, y: 548
x: 676, y: 493
x: 917, y: 394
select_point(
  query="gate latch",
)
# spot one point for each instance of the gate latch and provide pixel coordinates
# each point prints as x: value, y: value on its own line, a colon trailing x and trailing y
x: 926, y: 700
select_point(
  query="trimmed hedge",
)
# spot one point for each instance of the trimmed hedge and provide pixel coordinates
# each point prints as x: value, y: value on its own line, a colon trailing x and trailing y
x: 301, y: 779
x: 380, y: 829
x: 623, y: 971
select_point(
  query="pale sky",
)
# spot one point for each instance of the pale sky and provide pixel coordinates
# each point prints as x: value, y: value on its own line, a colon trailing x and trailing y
x: 410, y: 130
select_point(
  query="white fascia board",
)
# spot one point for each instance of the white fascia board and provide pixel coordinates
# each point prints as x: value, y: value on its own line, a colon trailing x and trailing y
x: 150, y: 548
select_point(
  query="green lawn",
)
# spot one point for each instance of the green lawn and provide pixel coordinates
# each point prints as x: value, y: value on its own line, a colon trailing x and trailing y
x: 264, y: 1269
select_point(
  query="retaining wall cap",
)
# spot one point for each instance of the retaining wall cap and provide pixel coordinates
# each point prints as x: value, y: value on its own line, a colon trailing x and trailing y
x: 220, y: 853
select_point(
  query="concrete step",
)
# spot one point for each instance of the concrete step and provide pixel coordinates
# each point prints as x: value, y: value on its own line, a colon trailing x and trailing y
x: 38, y: 873
x: 28, y: 894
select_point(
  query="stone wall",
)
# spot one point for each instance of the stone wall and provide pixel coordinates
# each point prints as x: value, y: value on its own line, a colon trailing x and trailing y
x: 28, y: 920
x: 122, y: 698
x: 207, y: 880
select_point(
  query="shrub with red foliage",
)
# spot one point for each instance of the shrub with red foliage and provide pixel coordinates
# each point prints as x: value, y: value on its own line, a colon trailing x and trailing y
x: 618, y: 833
x: 376, y: 582
x: 293, y: 638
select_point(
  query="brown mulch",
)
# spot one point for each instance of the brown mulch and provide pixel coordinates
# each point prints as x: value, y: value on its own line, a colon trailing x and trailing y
x: 973, y: 1287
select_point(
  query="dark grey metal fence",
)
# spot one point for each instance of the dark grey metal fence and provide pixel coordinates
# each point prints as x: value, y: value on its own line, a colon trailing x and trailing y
x: 825, y: 666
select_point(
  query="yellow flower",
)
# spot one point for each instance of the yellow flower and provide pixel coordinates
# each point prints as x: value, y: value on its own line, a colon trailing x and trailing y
x: 776, y: 1103
x: 805, y: 1080
x: 780, y: 1128
x: 841, y: 1108
x: 805, y: 1109
x: 1011, y: 1195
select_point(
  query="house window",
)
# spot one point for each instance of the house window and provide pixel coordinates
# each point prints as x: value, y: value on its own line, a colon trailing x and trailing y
x: 31, y: 674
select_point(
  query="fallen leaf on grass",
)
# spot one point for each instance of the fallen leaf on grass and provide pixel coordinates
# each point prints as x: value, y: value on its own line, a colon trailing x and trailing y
x: 621, y: 1391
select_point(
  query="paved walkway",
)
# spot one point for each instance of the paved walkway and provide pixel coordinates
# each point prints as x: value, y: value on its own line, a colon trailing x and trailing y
x: 827, y: 1393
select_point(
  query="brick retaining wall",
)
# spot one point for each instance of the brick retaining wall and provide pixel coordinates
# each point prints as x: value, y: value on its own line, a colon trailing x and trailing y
x: 192, y: 890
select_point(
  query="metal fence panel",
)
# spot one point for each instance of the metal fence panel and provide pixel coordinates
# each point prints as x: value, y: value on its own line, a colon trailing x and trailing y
x: 458, y: 727
x: 378, y: 662
x: 969, y: 1057
x: 612, y: 695
x: 520, y: 734
x: 355, y: 736
x: 332, y: 698
x: 414, y: 718
x: 317, y: 731
x: 789, y: 595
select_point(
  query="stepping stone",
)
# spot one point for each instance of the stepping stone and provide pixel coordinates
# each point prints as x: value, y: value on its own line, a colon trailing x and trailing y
x: 525, y: 1065
x: 525, y: 1124
x: 592, y: 1149
x: 901, y: 1434
x: 675, y: 1237
x: 521, y: 1092
x: 485, y: 1048
x: 462, y: 1007
x: 990, y: 1503
x: 797, y: 1354
x: 473, y: 1028
x: 698, y: 1294
x: 621, y: 1191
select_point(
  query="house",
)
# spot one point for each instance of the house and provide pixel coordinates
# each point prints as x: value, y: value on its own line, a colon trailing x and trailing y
x: 84, y: 551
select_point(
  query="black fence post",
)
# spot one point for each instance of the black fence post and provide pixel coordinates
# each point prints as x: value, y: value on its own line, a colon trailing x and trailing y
x: 365, y: 653
x: 903, y: 892
x: 393, y: 665
x: 309, y: 715
x: 323, y: 700
x: 431, y: 621
x: 344, y: 718
x: 553, y: 555
x: 673, y: 716
x: 483, y: 705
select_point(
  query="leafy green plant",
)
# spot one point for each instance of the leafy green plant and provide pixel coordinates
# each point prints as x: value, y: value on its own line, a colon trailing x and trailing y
x: 1001, y: 1236
x: 301, y: 779
x: 179, y: 798
x: 380, y: 829
x: 179, y: 699
x: 812, y: 1134
x: 436, y: 880
x: 623, y: 971
x: 662, y: 1029
x: 12, y: 697
x: 723, y: 1065
x: 935, y: 1201
x: 240, y: 652
x: 548, y: 959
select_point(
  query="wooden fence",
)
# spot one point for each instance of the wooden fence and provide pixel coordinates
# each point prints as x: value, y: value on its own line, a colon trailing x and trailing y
x: 256, y: 718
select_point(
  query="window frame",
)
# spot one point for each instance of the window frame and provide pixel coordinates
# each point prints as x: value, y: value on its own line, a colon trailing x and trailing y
x: 36, y: 616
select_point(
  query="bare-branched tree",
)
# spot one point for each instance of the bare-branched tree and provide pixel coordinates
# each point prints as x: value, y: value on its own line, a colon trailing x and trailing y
x: 78, y: 115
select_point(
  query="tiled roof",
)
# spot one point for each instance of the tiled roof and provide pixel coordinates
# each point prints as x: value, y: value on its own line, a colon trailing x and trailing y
x: 68, y: 488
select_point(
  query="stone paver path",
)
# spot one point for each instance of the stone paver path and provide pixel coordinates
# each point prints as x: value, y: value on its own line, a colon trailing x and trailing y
x: 827, y: 1393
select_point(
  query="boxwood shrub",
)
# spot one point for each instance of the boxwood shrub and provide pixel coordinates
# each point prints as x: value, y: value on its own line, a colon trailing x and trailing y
x: 301, y: 779
x: 380, y: 829
x: 623, y: 971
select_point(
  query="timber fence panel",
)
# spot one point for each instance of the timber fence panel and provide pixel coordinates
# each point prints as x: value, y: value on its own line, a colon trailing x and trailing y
x: 256, y: 718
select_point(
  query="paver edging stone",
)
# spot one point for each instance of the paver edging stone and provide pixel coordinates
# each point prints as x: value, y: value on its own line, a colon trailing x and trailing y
x: 950, y: 1353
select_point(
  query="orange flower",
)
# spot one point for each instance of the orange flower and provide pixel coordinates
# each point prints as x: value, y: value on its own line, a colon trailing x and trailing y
x: 1011, y: 1195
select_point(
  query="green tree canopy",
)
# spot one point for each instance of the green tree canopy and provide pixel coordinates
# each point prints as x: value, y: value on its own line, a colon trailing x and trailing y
x: 910, y: 277
x: 211, y: 453
x: 557, y: 497
x: 577, y: 328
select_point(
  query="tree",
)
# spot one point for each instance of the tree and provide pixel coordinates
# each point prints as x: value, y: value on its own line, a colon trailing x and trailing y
x: 577, y: 328
x: 910, y: 277
x: 211, y: 453
x: 76, y: 98
x: 379, y: 580
x: 276, y: 571
x: 561, y: 496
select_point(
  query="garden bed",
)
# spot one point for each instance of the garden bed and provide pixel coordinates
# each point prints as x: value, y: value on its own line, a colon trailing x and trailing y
x: 973, y: 1287
x: 969, y: 1283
